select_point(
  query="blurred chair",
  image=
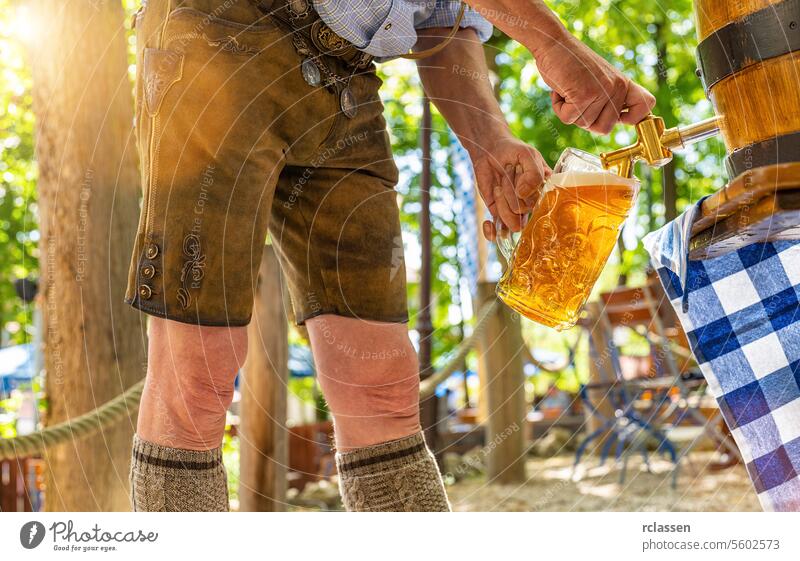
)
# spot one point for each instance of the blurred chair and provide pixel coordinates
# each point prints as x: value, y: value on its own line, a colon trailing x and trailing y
x: 21, y: 485
x: 654, y: 401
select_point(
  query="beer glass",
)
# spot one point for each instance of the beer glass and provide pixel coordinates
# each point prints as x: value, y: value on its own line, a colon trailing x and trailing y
x: 555, y: 261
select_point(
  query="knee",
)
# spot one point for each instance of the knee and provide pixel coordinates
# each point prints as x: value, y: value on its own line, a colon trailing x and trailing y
x: 394, y: 394
x: 387, y: 390
x: 191, y: 373
x: 373, y: 394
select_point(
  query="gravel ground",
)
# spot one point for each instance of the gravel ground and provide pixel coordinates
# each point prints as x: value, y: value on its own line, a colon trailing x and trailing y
x: 551, y: 487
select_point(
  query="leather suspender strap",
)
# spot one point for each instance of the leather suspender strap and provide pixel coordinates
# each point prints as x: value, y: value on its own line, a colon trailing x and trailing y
x: 768, y: 33
x: 435, y: 49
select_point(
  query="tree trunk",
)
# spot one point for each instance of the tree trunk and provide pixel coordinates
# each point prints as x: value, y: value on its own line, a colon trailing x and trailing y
x: 88, y: 202
x: 670, y: 186
x: 263, y: 436
x: 666, y: 109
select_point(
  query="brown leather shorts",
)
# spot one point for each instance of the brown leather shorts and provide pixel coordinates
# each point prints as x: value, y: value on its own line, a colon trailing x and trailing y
x: 233, y: 141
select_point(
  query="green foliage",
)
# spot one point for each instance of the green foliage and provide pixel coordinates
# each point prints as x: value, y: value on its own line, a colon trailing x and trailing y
x: 306, y: 390
x: 230, y: 457
x: 402, y: 99
x: 8, y: 411
x: 11, y: 405
x: 18, y: 221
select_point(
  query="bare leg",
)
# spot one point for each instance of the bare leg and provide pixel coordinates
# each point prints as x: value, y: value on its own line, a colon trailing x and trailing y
x: 190, y: 375
x: 177, y: 458
x: 369, y: 375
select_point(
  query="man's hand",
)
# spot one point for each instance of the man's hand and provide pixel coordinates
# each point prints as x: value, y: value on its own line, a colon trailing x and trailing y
x: 510, y: 175
x: 587, y: 90
x: 509, y: 172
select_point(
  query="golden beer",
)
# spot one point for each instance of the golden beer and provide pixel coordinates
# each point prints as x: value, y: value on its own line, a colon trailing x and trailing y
x: 565, y: 245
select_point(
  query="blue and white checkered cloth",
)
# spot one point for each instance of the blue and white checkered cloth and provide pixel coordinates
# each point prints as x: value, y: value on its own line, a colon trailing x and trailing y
x: 741, y: 314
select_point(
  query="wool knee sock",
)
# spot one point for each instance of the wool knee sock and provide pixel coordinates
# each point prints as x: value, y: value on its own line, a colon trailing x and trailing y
x: 400, y: 475
x: 167, y: 479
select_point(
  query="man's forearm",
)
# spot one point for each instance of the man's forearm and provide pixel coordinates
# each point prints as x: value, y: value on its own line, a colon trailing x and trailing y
x: 587, y: 90
x: 531, y: 22
x: 457, y: 81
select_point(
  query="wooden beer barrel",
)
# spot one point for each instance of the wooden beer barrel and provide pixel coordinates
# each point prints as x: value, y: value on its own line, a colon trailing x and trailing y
x: 749, y: 61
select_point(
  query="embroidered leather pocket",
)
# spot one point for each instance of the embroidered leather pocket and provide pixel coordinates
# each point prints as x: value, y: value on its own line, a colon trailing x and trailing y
x: 162, y: 68
x: 187, y: 25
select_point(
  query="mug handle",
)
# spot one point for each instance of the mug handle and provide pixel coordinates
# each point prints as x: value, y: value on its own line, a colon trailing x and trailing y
x: 505, y: 239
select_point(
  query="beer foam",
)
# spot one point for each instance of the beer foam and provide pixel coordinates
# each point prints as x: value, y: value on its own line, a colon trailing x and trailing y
x: 569, y: 179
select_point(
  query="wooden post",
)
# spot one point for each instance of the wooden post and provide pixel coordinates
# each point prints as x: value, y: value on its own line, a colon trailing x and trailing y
x: 601, y: 371
x: 501, y: 360
x: 263, y: 435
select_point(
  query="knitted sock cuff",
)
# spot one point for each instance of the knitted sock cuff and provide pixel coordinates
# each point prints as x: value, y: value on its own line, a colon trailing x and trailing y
x: 385, y: 457
x: 157, y: 459
x: 396, y: 476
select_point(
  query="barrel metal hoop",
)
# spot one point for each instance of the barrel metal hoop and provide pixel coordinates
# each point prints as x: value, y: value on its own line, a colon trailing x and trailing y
x: 779, y: 150
x: 768, y: 33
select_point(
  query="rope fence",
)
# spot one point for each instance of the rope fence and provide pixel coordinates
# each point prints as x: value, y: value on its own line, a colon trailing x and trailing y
x: 428, y: 386
x: 79, y: 427
x: 128, y: 402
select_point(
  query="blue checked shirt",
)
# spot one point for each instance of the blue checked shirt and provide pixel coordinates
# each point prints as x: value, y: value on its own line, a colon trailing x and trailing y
x: 387, y: 28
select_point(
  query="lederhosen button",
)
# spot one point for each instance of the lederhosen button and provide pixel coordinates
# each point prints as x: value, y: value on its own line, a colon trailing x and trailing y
x: 311, y: 73
x: 347, y: 102
x: 298, y: 9
x: 145, y: 292
x: 152, y: 251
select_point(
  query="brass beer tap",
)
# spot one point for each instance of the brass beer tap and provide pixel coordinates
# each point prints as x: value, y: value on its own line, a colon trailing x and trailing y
x: 655, y: 143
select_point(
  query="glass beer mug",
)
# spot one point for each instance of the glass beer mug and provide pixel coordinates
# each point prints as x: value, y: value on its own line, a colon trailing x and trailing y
x: 570, y: 234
